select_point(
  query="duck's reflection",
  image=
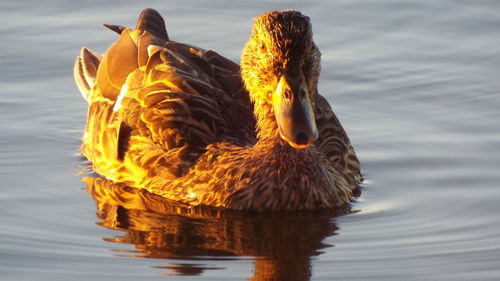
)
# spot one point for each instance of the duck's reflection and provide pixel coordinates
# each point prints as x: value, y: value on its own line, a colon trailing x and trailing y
x: 281, y: 244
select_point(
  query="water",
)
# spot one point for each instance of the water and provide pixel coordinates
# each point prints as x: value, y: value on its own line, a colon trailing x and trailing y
x: 415, y: 84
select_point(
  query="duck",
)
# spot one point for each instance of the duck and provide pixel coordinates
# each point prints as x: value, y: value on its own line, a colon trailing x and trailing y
x: 192, y: 126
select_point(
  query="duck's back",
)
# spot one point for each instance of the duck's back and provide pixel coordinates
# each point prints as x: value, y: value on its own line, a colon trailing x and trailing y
x: 156, y: 104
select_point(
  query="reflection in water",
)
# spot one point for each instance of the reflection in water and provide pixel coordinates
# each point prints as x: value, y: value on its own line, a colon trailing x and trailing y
x: 282, y: 243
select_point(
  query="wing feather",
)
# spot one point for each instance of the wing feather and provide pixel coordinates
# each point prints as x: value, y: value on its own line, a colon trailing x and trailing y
x: 333, y: 141
x: 160, y: 102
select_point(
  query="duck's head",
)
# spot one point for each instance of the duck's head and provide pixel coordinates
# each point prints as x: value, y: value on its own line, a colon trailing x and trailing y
x: 280, y: 67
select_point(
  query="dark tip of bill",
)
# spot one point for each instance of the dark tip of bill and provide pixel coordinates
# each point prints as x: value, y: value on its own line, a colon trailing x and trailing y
x: 301, y: 139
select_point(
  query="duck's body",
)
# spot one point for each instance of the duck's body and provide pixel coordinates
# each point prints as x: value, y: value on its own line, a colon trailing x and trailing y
x: 176, y: 120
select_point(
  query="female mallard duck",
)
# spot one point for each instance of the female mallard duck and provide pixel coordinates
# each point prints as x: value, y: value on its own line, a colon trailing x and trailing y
x: 189, y: 125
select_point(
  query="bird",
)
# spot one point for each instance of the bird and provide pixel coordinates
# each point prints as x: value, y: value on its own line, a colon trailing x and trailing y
x: 194, y: 127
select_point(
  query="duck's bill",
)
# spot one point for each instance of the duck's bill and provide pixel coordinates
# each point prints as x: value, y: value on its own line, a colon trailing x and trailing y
x: 293, y: 111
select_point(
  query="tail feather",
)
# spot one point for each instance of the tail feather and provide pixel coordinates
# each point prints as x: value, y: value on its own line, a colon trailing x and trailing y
x: 85, y: 71
x: 124, y: 56
x: 150, y: 20
x: 116, y: 28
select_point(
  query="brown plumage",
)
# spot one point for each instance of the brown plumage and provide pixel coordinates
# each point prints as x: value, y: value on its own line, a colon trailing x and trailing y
x: 179, y: 121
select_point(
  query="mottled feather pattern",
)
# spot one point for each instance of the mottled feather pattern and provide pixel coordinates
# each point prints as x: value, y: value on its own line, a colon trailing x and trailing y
x: 178, y: 121
x: 334, y: 143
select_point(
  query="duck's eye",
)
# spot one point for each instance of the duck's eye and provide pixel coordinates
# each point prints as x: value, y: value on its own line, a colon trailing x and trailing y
x: 277, y: 68
x: 262, y: 47
x: 287, y: 95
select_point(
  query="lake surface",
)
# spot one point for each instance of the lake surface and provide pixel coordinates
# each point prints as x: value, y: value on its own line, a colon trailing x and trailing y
x: 416, y: 84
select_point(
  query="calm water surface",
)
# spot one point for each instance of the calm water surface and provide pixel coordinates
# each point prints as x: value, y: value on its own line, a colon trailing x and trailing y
x: 415, y: 83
